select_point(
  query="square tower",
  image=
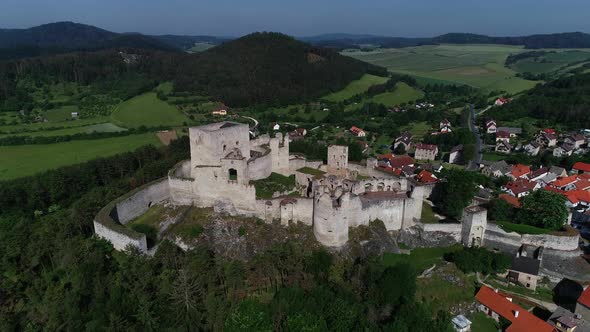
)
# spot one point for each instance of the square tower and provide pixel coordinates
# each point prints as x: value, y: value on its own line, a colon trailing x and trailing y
x: 473, y: 226
x: 213, y: 142
x: 337, y: 158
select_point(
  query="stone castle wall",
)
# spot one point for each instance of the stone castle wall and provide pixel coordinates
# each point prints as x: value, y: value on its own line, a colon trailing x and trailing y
x: 135, y: 205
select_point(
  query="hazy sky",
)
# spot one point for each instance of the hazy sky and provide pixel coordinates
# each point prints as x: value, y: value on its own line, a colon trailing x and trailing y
x: 306, y: 17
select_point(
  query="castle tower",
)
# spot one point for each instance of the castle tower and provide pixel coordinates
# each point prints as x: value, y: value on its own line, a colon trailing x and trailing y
x: 330, y: 220
x: 473, y: 226
x: 337, y: 159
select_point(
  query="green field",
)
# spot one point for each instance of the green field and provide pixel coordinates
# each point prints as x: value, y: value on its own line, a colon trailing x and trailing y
x: 147, y: 110
x: 22, y: 160
x: 402, y: 94
x: 482, y: 323
x: 98, y: 128
x: 355, y: 87
x: 200, y: 47
x: 61, y: 114
x: 552, y: 61
x: 476, y: 65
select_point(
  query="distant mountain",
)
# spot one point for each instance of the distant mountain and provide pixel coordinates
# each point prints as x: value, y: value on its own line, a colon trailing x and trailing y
x: 62, y: 37
x: 556, y: 40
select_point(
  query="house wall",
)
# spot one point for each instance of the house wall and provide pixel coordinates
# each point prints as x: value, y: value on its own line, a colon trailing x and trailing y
x: 261, y: 167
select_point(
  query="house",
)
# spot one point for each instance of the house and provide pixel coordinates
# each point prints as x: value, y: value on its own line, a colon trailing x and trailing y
x: 577, y: 199
x: 425, y: 151
x: 511, y: 130
x: 502, y: 135
x: 358, y: 132
x: 520, y: 187
x: 295, y: 136
x: 525, y: 267
x: 497, y: 305
x: 456, y: 154
x: 461, y: 323
x: 275, y: 126
x: 564, y: 150
x: 497, y: 169
x: 514, y: 201
x: 549, y: 131
x: 581, y: 167
x: 491, y: 126
x: 519, y: 171
x: 445, y: 126
x: 546, y: 139
x: 583, y: 304
x: 566, y: 321
x: 577, y: 140
x: 220, y: 110
x: 503, y: 147
x: 565, y: 183
x: 405, y: 140
x: 559, y: 171
x: 501, y: 101
x: 74, y: 115
x: 401, y: 161
x: 426, y: 177
x: 538, y: 174
x: 532, y: 149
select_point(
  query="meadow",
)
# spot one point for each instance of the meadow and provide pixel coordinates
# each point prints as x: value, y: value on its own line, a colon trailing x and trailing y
x: 480, y: 66
x: 22, y: 160
x: 553, y: 61
x: 355, y: 87
x: 147, y: 110
x: 402, y: 94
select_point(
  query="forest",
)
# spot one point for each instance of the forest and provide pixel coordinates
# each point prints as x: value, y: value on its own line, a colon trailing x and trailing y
x: 565, y: 101
x: 57, y: 276
x: 261, y: 68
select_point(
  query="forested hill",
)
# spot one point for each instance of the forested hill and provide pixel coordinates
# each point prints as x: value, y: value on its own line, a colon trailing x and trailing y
x: 62, y: 37
x: 262, y: 68
x: 268, y: 68
x: 565, y: 101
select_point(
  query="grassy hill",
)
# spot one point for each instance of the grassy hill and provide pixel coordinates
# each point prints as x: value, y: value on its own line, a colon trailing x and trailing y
x: 355, y: 87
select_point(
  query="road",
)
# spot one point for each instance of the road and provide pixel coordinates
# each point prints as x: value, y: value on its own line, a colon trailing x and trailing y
x: 255, y: 121
x: 473, y: 164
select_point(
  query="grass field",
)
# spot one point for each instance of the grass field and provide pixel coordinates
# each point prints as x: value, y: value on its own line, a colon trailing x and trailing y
x: 147, y: 110
x: 61, y: 114
x: 482, y: 323
x: 420, y: 258
x: 476, y: 65
x: 402, y: 94
x: 355, y: 87
x: 106, y: 127
x: 418, y: 129
x: 22, y: 160
x: 200, y: 47
x: 553, y: 61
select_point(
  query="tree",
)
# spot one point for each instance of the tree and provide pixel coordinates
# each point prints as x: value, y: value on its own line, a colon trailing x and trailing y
x: 456, y: 192
x: 250, y: 315
x: 543, y: 209
x: 500, y: 210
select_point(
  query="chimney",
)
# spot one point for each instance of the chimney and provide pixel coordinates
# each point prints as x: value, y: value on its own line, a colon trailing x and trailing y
x: 515, y: 313
x: 496, y: 290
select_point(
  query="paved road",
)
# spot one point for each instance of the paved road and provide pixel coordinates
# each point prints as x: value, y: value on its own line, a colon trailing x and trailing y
x: 255, y: 121
x: 473, y: 164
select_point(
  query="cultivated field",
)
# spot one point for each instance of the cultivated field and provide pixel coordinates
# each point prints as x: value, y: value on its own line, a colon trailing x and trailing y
x: 22, y: 160
x: 355, y: 87
x: 402, y: 94
x: 147, y: 110
x: 476, y: 65
x: 553, y: 61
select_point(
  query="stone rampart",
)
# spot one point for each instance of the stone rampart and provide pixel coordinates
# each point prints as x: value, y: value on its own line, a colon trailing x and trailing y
x: 260, y: 167
x: 110, y: 220
x: 496, y: 237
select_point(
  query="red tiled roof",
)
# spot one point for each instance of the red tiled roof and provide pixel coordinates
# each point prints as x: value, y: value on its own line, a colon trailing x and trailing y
x: 549, y: 131
x: 520, y: 186
x: 582, y: 184
x: 519, y: 170
x: 585, y: 298
x: 576, y: 196
x: 426, y: 177
x: 401, y: 161
x: 422, y: 146
x: 561, y: 182
x: 387, y: 156
x: 580, y: 166
x: 525, y: 321
x: 584, y: 177
x: 355, y: 129
x: 510, y: 200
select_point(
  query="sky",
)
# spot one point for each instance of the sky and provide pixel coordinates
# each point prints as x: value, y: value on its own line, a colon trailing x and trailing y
x: 400, y: 18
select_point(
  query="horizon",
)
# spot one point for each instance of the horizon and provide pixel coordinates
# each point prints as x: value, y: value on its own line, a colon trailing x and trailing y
x: 225, y: 18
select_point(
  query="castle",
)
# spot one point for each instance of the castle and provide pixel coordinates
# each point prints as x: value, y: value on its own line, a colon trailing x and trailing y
x: 224, y: 160
x: 331, y: 198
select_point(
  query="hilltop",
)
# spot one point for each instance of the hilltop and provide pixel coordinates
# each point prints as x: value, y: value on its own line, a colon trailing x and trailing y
x: 63, y: 37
